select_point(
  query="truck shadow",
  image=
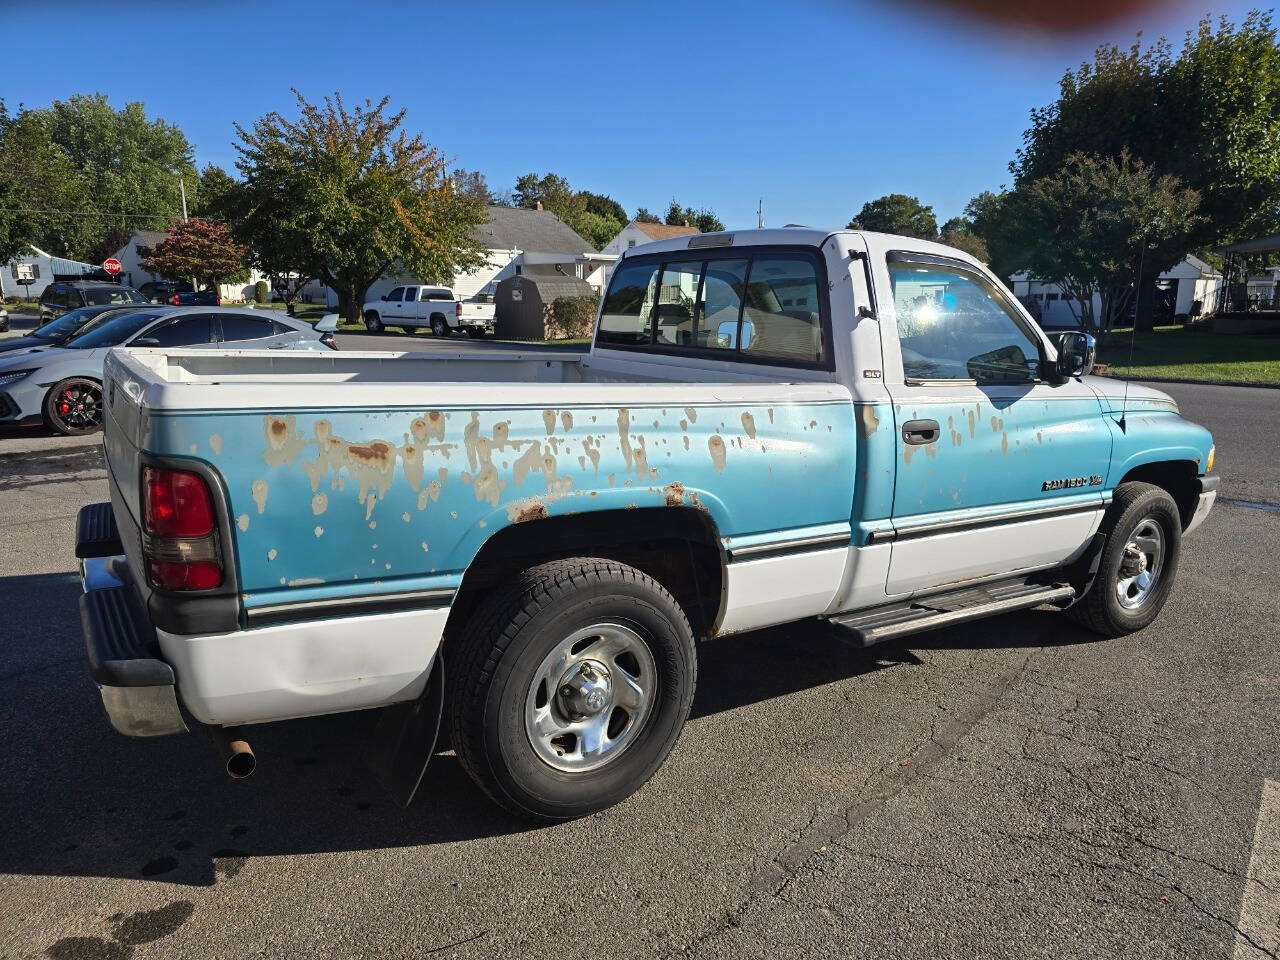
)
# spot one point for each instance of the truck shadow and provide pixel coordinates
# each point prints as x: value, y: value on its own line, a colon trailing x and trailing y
x: 80, y: 800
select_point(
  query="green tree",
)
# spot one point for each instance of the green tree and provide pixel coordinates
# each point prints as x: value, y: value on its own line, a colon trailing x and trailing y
x: 603, y: 205
x: 215, y: 195
x: 703, y: 219
x: 897, y: 213
x: 993, y: 219
x: 198, y: 248
x: 958, y: 232
x: 355, y: 194
x: 1098, y: 224
x: 472, y: 183
x: 644, y: 216
x: 81, y: 174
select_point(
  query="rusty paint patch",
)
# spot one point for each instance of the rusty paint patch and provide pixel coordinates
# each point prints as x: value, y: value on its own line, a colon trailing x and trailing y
x: 692, y: 414
x: 319, y: 531
x: 624, y: 436
x: 242, y: 522
x: 549, y: 420
x: 522, y: 511
x: 428, y: 428
x: 716, y: 445
x: 908, y: 450
x: 566, y: 420
x: 749, y: 424
x: 684, y: 424
x: 425, y: 548
x: 215, y: 443
x: 284, y: 440
x: 271, y: 554
x: 259, y: 491
x: 867, y: 418
x: 405, y: 516
x: 319, y: 504
x: 1004, y: 444
x: 674, y: 493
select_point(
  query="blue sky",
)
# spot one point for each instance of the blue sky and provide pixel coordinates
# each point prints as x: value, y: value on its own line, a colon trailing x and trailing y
x: 814, y: 105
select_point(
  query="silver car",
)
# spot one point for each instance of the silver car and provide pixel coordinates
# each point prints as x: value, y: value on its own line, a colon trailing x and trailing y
x: 62, y: 385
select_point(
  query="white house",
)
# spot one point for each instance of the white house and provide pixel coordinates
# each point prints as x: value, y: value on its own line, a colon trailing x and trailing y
x: 636, y: 233
x: 132, y: 273
x: 1184, y: 285
x: 42, y: 269
x: 514, y: 239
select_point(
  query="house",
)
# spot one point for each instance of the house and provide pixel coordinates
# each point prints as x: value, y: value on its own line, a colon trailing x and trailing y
x: 516, y: 240
x: 42, y: 269
x: 1179, y: 289
x: 133, y: 274
x: 637, y: 232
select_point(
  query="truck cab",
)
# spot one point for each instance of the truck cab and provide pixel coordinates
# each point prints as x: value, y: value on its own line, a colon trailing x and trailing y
x: 768, y: 426
x: 416, y: 305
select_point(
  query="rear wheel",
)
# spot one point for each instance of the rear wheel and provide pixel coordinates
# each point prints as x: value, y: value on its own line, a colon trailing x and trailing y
x: 438, y: 327
x: 1143, y: 531
x: 74, y: 406
x: 569, y: 687
x: 373, y: 322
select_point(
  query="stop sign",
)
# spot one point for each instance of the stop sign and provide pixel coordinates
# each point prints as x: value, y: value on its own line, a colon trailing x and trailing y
x: 111, y: 265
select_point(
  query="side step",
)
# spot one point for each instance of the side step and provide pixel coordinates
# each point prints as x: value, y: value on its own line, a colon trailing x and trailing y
x: 944, y: 609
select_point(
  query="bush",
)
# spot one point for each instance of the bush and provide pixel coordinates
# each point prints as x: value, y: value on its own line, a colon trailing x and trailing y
x: 261, y: 291
x: 571, y: 318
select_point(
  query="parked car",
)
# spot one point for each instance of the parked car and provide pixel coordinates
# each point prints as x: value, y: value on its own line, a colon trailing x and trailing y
x: 62, y: 385
x: 63, y: 296
x: 4, y: 319
x: 58, y: 331
x: 426, y: 306
x: 186, y: 296
x: 769, y: 425
x: 161, y: 291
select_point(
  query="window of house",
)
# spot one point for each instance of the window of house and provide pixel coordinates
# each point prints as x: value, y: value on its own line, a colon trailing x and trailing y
x: 630, y: 244
x: 954, y: 324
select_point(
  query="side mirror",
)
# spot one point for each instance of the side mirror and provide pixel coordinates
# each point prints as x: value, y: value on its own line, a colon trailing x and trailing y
x: 1076, y: 353
x: 145, y: 342
x: 383, y: 297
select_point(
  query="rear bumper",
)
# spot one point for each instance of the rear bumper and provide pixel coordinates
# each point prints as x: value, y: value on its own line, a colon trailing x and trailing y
x: 1204, y: 502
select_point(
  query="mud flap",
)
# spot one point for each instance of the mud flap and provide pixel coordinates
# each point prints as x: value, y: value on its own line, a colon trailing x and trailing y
x: 405, y: 738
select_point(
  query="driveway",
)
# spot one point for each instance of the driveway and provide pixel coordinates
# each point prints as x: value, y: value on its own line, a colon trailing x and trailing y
x: 1009, y: 788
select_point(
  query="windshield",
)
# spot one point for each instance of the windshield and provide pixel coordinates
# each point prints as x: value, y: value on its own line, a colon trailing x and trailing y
x: 65, y: 325
x: 113, y: 331
x: 104, y: 295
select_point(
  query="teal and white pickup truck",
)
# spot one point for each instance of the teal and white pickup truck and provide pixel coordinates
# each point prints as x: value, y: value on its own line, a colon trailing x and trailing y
x: 769, y: 425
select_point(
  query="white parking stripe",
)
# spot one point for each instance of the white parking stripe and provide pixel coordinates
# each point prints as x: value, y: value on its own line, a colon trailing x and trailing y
x: 1258, y: 933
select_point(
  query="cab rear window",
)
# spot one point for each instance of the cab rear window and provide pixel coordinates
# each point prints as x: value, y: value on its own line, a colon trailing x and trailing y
x: 763, y: 304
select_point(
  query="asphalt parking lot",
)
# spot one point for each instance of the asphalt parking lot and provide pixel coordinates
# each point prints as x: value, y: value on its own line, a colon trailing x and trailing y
x: 1010, y: 788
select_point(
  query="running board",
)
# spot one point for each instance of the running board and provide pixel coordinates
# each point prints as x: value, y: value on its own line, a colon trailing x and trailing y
x: 945, y: 609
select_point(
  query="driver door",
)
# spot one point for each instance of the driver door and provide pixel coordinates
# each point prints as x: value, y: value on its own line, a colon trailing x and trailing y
x: 998, y: 470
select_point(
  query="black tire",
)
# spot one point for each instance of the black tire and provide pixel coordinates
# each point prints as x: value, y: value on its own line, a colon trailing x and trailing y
x: 1101, y: 609
x: 373, y: 322
x: 438, y: 327
x: 492, y: 665
x: 74, y: 406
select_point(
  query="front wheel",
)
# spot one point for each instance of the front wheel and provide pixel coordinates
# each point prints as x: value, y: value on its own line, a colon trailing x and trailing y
x: 1143, y: 540
x: 569, y: 687
x: 373, y: 322
x: 74, y: 406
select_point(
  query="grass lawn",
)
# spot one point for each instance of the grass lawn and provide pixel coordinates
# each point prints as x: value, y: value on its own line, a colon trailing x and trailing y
x: 1177, y: 354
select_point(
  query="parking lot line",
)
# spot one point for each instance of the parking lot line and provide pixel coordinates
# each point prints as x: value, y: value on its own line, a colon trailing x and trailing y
x: 1258, y: 933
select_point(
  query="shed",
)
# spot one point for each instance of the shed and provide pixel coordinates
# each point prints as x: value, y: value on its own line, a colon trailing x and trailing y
x: 523, y: 303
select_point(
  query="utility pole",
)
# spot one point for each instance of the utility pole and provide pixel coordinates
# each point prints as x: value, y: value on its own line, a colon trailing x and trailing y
x: 182, y: 188
x: 760, y: 214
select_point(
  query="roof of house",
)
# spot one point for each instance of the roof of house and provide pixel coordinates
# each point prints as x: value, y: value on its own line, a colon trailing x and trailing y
x: 662, y: 231
x: 145, y: 238
x: 537, y: 231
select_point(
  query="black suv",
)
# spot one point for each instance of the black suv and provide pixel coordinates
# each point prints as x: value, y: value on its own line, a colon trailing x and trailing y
x: 62, y: 296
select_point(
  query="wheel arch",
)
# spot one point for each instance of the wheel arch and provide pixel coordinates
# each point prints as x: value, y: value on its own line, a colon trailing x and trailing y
x: 680, y: 547
x: 1178, y: 478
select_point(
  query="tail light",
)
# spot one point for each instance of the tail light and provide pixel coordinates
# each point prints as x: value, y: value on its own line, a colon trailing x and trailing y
x: 180, y: 542
x: 176, y: 301
x: 457, y: 309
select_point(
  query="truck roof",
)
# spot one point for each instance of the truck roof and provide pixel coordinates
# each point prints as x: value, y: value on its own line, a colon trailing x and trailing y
x: 791, y: 236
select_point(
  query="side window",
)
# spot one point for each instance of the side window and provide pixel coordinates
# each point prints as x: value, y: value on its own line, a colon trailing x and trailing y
x: 628, y: 308
x: 238, y: 327
x: 677, y: 303
x: 955, y: 325
x: 182, y: 332
x: 698, y: 304
x: 782, y: 316
x: 396, y: 294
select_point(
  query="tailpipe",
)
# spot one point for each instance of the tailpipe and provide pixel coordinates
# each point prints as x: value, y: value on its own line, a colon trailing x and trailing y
x: 237, y: 756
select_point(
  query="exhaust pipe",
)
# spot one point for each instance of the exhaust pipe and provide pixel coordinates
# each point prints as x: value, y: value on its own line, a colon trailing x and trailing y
x: 237, y: 755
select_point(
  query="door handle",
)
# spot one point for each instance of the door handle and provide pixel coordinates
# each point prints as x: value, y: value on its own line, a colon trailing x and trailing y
x: 920, y: 431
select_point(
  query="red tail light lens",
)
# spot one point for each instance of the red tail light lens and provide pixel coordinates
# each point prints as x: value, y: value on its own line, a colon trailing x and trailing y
x: 200, y: 575
x: 457, y: 309
x: 176, y: 504
x: 176, y: 301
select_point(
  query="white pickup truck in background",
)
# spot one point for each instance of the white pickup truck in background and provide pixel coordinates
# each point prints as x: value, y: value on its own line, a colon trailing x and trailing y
x: 429, y: 306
